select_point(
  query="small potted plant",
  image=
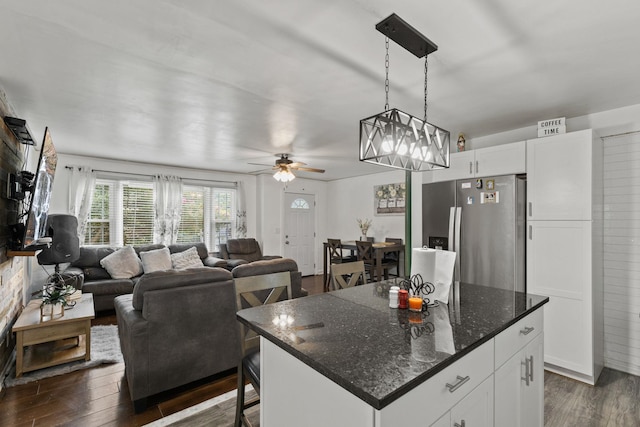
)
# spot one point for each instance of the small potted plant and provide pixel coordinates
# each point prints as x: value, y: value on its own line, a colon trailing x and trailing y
x: 55, y: 298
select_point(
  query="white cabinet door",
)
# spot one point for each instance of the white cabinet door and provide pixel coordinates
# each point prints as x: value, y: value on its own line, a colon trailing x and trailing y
x: 559, y: 173
x: 519, y: 388
x: 508, y: 391
x: 444, y: 421
x: 532, y: 414
x: 559, y: 265
x: 460, y: 167
x: 476, y: 409
x: 501, y: 160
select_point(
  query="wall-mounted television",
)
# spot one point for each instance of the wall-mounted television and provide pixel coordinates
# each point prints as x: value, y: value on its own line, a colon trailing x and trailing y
x: 35, y: 226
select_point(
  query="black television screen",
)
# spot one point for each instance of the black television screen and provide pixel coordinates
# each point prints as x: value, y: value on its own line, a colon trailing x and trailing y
x: 36, y: 223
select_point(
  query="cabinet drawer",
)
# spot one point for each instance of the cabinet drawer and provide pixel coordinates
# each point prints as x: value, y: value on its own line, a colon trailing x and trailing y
x: 433, y: 397
x: 509, y: 341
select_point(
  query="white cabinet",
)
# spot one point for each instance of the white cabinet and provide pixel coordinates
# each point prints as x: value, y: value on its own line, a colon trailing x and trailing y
x: 564, y: 249
x: 559, y: 175
x: 498, y: 160
x: 519, y: 388
x: 475, y: 409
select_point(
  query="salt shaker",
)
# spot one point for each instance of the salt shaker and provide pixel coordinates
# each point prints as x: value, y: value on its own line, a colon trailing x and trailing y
x: 403, y: 298
x: 393, y: 297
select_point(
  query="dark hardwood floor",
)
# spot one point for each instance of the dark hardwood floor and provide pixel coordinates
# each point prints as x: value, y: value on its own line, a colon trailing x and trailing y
x: 99, y: 396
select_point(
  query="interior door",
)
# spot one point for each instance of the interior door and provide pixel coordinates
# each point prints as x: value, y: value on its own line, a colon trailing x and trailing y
x: 299, y: 230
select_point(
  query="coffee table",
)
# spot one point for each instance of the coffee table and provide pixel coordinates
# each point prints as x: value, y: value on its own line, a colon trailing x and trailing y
x: 43, y: 343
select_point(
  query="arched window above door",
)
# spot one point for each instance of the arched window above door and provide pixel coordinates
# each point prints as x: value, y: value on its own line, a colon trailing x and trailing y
x: 299, y: 204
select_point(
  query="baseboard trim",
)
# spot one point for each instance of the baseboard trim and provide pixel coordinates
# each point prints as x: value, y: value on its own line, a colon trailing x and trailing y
x: 570, y: 374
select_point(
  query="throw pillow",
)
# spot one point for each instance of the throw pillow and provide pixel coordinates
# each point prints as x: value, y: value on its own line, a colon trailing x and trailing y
x: 156, y: 260
x: 122, y: 264
x: 186, y: 259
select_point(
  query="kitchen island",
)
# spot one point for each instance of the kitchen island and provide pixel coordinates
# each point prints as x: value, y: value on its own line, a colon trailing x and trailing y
x: 346, y: 358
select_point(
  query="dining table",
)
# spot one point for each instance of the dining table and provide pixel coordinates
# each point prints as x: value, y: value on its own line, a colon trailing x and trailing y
x: 379, y: 250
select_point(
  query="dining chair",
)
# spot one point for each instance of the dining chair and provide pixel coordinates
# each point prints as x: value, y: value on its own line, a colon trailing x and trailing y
x: 366, y: 254
x: 336, y: 256
x: 348, y: 274
x: 255, y: 291
x: 393, y: 258
x: 335, y: 252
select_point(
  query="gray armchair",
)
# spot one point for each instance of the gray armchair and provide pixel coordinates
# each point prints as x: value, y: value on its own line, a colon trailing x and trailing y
x: 242, y: 251
x: 177, y: 327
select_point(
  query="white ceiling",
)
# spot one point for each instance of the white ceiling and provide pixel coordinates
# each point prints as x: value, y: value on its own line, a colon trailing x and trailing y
x: 220, y: 84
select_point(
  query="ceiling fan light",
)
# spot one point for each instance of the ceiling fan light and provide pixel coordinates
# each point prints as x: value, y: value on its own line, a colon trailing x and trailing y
x: 284, y: 175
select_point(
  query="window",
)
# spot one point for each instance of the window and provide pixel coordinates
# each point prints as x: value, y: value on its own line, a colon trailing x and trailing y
x: 299, y: 204
x: 98, y: 224
x: 122, y: 213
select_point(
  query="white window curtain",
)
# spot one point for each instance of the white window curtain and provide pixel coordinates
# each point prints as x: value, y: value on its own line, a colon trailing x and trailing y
x: 241, y: 212
x: 81, y: 183
x: 168, y: 208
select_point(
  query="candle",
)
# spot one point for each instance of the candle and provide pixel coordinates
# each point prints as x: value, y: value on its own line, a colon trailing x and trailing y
x: 415, y: 303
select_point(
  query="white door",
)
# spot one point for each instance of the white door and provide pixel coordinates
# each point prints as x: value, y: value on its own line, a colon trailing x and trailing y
x: 299, y: 230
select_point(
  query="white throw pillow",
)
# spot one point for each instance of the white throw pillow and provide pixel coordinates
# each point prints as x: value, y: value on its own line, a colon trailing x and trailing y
x: 186, y: 259
x: 155, y: 260
x: 122, y: 264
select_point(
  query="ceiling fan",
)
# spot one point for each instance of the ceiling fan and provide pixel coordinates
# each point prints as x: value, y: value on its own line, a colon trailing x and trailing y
x: 284, y: 168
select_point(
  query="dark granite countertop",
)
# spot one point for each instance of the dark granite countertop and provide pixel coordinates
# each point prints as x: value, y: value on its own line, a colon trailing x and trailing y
x: 377, y: 353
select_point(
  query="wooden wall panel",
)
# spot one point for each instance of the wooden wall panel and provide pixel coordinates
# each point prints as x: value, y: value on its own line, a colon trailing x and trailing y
x: 622, y: 252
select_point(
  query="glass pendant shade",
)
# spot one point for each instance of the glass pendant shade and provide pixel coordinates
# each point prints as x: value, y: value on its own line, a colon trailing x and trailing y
x: 396, y: 139
x: 284, y: 175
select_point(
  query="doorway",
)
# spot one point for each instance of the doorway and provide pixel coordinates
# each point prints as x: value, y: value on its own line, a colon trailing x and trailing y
x: 299, y: 230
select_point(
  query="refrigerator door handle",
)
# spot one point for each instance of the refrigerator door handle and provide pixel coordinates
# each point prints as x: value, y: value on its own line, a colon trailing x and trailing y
x: 458, y: 222
x: 452, y: 219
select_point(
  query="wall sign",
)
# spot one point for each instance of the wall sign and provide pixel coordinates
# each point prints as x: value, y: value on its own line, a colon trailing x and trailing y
x: 552, y: 127
x: 389, y: 199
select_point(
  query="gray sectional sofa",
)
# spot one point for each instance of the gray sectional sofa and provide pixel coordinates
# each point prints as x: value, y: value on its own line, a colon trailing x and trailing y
x: 91, y: 277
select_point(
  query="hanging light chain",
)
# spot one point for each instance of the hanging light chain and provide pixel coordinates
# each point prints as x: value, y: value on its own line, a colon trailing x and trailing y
x: 426, y: 68
x: 386, y: 79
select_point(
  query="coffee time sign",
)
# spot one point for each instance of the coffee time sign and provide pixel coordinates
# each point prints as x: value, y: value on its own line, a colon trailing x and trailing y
x: 551, y: 127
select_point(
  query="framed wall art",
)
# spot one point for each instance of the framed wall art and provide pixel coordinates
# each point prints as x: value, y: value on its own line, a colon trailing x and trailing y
x: 389, y: 199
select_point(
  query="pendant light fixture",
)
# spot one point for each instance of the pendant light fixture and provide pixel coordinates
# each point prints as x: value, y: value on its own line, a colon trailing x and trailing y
x: 397, y: 139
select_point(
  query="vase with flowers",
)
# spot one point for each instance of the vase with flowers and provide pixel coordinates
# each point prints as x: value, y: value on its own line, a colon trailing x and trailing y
x: 55, y: 298
x: 364, y: 225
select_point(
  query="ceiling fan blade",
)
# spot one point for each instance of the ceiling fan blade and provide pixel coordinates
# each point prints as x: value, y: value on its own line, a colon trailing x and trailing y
x: 296, y: 164
x: 309, y: 169
x: 259, y: 164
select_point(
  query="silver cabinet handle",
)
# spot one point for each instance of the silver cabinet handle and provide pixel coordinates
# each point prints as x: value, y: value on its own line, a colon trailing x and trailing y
x: 459, y: 425
x: 531, y: 232
x: 526, y: 371
x: 458, y: 384
x: 530, y: 360
x: 527, y: 330
x: 470, y: 168
x: 530, y: 208
x: 477, y: 170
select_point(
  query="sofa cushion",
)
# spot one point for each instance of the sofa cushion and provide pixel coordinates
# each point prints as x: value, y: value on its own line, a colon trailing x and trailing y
x: 157, y: 259
x: 172, y: 278
x: 95, y: 273
x: 147, y: 248
x: 122, y: 264
x: 90, y: 256
x: 258, y: 268
x: 108, y: 287
x: 186, y: 259
x: 203, y: 252
x: 247, y: 249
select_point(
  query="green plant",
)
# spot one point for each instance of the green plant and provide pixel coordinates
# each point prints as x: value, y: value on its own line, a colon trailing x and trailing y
x: 56, y: 293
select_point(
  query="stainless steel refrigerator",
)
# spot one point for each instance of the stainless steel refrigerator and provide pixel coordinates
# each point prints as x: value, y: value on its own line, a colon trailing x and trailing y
x: 483, y: 220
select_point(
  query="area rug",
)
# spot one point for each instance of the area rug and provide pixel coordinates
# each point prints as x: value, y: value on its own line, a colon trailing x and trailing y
x: 105, y: 348
x: 219, y: 412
